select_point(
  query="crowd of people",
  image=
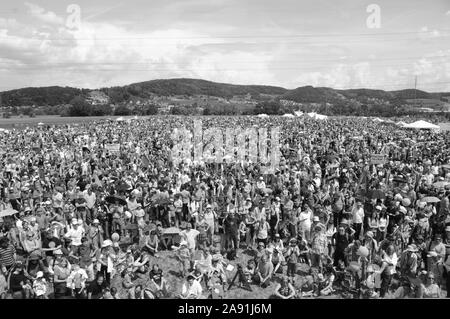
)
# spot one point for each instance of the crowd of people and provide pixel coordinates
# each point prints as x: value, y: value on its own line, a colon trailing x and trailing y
x: 83, y: 220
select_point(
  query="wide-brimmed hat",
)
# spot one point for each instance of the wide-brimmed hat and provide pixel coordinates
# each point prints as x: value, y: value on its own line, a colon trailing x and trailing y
x: 107, y: 243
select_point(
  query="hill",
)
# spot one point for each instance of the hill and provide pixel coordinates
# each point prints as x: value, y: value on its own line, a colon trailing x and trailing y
x: 52, y: 95
x: 56, y: 95
x: 309, y: 94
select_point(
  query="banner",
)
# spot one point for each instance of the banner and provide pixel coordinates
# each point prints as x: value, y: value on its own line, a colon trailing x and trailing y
x: 112, y: 148
x: 377, y: 159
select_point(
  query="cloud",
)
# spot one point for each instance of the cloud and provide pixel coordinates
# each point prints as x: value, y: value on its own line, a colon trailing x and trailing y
x: 424, y: 33
x: 40, y: 14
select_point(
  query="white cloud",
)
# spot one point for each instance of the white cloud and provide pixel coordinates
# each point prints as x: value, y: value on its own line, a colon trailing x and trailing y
x: 40, y: 14
x: 424, y: 33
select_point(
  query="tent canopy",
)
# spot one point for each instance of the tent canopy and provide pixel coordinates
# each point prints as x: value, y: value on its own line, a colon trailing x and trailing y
x: 422, y: 125
x: 263, y: 115
x: 288, y: 115
x: 298, y: 113
x: 316, y: 116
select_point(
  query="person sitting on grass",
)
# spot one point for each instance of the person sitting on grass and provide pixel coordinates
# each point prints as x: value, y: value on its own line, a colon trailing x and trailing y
x: 284, y: 290
x: 216, y: 266
x: 215, y: 285
x: 277, y: 260
x: 264, y: 272
x: 158, y: 282
x: 152, y: 243
x: 138, y: 292
x: 191, y: 289
x: 325, y: 282
x: 142, y: 263
x: 250, y: 271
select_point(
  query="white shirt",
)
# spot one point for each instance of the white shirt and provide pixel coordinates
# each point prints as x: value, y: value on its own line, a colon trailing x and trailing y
x: 190, y: 237
x: 195, y: 289
x: 358, y: 215
x: 75, y: 235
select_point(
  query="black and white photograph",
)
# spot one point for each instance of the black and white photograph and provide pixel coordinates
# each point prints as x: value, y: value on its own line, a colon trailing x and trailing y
x: 211, y: 150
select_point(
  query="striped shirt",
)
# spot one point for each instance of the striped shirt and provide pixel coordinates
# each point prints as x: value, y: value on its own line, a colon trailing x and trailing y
x: 7, y: 255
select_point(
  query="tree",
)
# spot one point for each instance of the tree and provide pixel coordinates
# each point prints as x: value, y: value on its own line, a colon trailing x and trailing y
x: 268, y: 107
x: 79, y: 107
x: 122, y: 111
x: 151, y: 110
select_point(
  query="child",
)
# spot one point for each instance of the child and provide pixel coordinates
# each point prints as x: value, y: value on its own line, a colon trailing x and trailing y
x: 40, y: 286
x: 184, y: 256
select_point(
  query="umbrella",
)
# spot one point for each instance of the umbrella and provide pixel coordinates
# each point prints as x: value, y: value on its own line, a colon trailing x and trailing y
x: 113, y: 199
x: 399, y: 179
x: 8, y: 212
x: 171, y: 231
x: 430, y: 199
x: 376, y: 193
x: 441, y: 184
x: 59, y: 189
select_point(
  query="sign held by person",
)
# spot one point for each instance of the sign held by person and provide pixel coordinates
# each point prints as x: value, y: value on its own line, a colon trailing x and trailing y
x: 377, y: 159
x: 113, y: 148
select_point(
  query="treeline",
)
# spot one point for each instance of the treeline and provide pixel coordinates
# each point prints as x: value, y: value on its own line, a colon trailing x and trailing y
x: 80, y: 107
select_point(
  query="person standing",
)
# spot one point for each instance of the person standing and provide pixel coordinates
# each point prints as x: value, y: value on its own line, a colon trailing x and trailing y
x: 358, y: 217
x: 231, y: 229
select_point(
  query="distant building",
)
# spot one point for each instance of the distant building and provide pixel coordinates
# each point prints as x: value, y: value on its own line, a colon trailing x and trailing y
x: 97, y: 98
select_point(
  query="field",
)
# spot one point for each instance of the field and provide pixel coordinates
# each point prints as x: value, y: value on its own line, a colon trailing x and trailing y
x: 23, y: 122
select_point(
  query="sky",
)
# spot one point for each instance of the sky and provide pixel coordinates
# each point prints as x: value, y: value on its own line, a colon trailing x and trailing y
x: 376, y: 44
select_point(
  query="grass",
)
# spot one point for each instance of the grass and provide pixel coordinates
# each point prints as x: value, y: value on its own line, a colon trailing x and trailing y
x: 171, y: 269
x: 22, y: 122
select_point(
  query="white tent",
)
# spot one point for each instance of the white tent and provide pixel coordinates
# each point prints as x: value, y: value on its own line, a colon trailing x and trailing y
x: 40, y: 123
x: 377, y: 120
x: 263, y: 115
x: 422, y: 125
x: 3, y: 130
x: 401, y: 123
x: 288, y: 115
x: 298, y: 113
x: 317, y: 116
x: 120, y: 119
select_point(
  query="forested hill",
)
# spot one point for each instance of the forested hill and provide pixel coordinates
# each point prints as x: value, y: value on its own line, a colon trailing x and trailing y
x: 56, y: 95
